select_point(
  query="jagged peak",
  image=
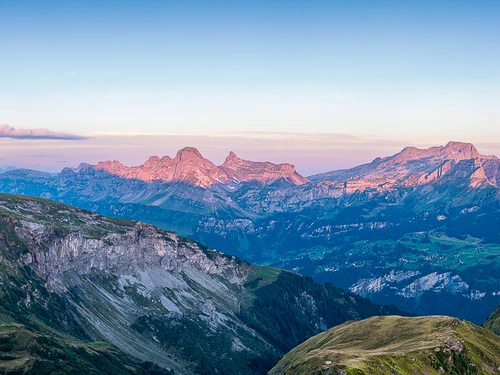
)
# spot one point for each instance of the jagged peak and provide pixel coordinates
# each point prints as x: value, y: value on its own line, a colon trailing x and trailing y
x: 231, y: 156
x: 109, y: 162
x: 82, y: 166
x: 263, y: 172
x: 153, y: 159
x: 189, y: 153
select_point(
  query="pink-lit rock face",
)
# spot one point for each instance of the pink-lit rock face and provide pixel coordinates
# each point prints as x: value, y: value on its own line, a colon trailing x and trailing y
x: 263, y: 172
x: 190, y: 167
x: 413, y: 166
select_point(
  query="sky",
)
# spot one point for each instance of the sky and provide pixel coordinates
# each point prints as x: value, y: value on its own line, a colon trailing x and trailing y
x: 321, y: 84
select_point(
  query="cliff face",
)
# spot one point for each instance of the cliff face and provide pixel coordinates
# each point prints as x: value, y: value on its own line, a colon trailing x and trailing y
x: 155, y: 295
x: 140, y: 247
x: 116, y: 273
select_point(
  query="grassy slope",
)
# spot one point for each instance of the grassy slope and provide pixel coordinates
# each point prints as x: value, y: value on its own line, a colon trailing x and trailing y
x: 493, y: 322
x: 397, y: 345
x: 23, y: 351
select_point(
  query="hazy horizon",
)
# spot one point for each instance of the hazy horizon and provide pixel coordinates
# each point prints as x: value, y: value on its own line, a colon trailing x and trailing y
x: 309, y: 153
x: 340, y: 82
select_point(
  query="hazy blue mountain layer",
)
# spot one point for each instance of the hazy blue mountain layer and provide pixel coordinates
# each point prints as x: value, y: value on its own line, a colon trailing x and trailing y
x: 418, y: 229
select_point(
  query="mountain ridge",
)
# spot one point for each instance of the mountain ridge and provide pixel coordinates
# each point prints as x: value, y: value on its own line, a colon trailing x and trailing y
x: 409, y: 168
x: 413, y: 166
x: 191, y: 167
x: 368, y: 235
x: 396, y: 345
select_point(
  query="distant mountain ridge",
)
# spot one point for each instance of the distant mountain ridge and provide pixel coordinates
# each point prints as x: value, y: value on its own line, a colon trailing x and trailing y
x: 413, y: 229
x: 413, y: 167
x: 410, y: 167
x: 190, y: 167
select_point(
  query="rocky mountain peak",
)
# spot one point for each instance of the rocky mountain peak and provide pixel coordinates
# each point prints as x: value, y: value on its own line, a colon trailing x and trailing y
x: 231, y: 157
x: 189, y: 153
x: 462, y: 149
x: 454, y: 162
x: 153, y: 160
x: 452, y: 151
x: 113, y: 167
x: 189, y: 166
x: 262, y: 172
x: 82, y: 166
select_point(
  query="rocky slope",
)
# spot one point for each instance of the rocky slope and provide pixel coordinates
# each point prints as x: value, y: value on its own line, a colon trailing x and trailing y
x: 155, y: 296
x: 416, y: 229
x: 396, y: 345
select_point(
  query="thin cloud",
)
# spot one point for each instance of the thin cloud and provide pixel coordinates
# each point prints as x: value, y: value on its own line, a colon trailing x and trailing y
x: 7, y: 131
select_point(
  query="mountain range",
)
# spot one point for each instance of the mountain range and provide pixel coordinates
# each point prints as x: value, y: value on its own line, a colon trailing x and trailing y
x: 414, y: 229
x: 190, y: 167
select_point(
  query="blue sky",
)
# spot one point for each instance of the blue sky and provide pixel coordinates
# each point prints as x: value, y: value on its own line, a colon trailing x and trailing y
x: 408, y: 71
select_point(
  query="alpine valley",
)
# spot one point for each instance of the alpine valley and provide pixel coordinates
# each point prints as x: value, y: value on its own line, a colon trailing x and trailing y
x: 84, y: 294
x: 418, y: 229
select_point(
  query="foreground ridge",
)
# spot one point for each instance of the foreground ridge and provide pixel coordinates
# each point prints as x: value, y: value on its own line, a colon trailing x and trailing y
x: 429, y: 345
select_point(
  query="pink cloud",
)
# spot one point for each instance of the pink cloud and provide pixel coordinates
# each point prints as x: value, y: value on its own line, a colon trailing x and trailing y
x: 7, y: 131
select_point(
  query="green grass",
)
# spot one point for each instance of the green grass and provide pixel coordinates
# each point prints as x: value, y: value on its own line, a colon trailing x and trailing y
x: 409, y: 252
x: 23, y: 351
x: 399, y: 345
